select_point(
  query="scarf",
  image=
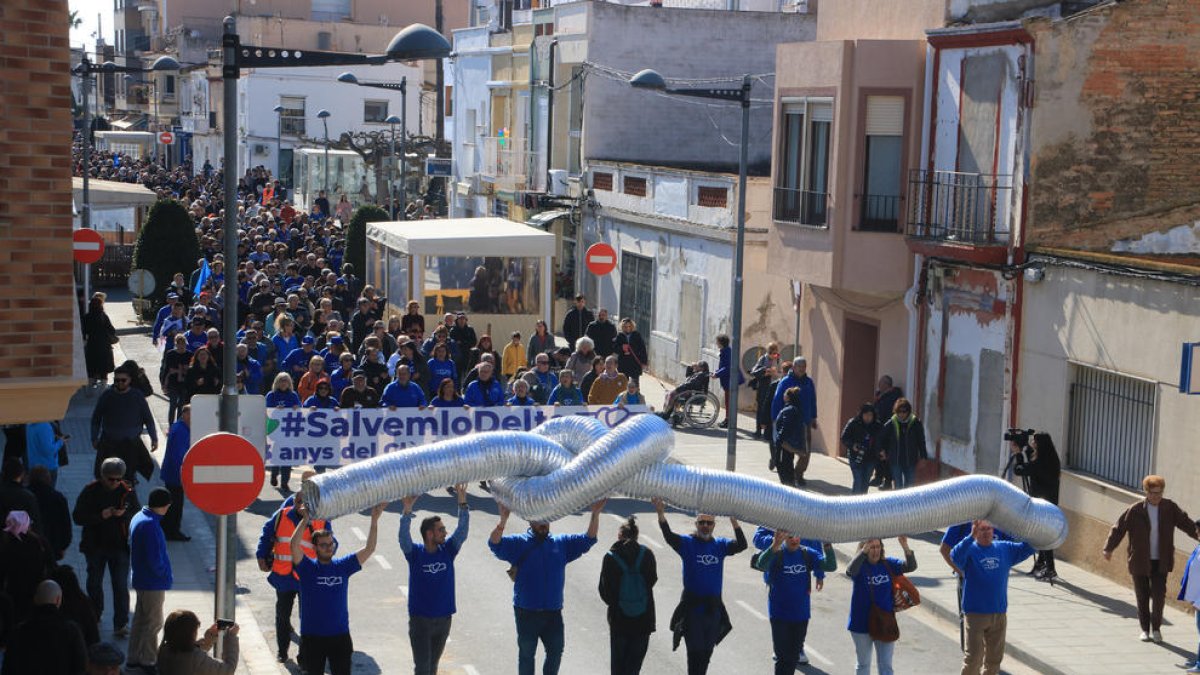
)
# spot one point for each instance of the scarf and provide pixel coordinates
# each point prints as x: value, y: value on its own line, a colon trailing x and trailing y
x: 17, y: 523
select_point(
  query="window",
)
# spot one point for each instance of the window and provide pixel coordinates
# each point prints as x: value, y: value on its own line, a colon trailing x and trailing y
x: 448, y: 101
x: 330, y: 10
x: 169, y: 86
x: 634, y: 185
x: 1111, y: 426
x: 375, y: 111
x: 637, y: 290
x: 602, y: 181
x: 713, y: 197
x: 881, y: 170
x: 500, y: 208
x: 291, y: 118
x: 803, y: 176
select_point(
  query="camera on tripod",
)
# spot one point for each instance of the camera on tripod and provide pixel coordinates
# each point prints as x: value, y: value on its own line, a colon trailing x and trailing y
x: 1019, y: 436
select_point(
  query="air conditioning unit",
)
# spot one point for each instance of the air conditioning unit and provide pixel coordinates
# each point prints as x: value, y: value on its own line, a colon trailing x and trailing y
x: 558, y: 183
x: 261, y: 148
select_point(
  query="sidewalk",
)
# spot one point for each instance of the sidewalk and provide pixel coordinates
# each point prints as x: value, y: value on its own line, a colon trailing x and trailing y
x: 1080, y: 624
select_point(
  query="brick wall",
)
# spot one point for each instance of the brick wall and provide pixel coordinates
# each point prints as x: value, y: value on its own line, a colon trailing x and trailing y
x: 1116, y: 124
x: 36, y: 282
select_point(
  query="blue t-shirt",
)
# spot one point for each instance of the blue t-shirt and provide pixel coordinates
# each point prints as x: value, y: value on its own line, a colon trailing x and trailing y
x: 438, y: 371
x: 985, y: 573
x: 324, y: 601
x: 326, y: 403
x: 283, y: 399
x: 956, y: 533
x: 516, y: 401
x: 541, y: 571
x: 703, y: 563
x: 872, y: 583
x: 407, y: 395
x: 431, y: 575
x: 790, y: 583
x: 439, y: 402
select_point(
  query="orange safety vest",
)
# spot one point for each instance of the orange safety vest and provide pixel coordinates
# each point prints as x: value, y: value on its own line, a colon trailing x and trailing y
x: 268, y: 194
x: 284, y: 528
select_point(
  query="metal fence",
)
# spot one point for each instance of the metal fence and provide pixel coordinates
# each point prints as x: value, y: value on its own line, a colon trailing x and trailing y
x: 1111, y: 426
x: 801, y: 207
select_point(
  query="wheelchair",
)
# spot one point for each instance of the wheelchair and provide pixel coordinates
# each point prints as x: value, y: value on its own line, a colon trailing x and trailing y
x: 695, y: 409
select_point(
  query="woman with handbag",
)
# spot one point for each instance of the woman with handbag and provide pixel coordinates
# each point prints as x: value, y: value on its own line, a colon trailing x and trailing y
x: 872, y: 622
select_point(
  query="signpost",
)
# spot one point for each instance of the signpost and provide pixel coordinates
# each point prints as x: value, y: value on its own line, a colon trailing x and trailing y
x: 141, y: 284
x: 222, y: 474
x: 166, y: 137
x: 601, y: 259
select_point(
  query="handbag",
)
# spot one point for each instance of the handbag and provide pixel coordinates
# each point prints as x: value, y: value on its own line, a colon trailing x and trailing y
x: 829, y: 563
x: 904, y: 594
x: 881, y: 623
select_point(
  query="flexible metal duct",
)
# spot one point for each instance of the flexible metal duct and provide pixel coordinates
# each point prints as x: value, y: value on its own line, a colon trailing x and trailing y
x: 570, y: 462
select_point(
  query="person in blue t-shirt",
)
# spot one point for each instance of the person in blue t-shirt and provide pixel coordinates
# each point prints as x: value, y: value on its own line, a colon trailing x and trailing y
x: 763, y: 538
x: 323, y: 399
x: 431, y: 603
x: 789, y: 583
x: 402, y: 392
x: 520, y: 395
x: 324, y: 595
x: 700, y: 618
x: 872, y: 572
x: 985, y: 562
x: 538, y: 562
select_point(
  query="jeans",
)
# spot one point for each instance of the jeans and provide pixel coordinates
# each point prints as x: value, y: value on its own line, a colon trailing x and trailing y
x: 174, y: 405
x: 862, y: 476
x: 862, y: 650
x: 788, y: 640
x: 316, y: 650
x: 627, y: 650
x: 428, y: 638
x: 1198, y: 631
x: 117, y: 562
x: 904, y: 476
x: 174, y: 516
x: 284, y: 601
x: 143, y: 633
x: 533, y: 625
x: 1151, y: 591
x: 284, y: 471
x: 985, y: 643
x: 704, y: 626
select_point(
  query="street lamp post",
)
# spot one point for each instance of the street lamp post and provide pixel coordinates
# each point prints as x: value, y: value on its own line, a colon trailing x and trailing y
x: 392, y: 121
x: 402, y: 87
x: 650, y: 79
x: 323, y: 115
x: 414, y: 42
x: 278, y: 140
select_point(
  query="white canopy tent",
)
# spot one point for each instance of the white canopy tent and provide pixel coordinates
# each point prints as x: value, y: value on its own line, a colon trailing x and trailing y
x: 397, y: 251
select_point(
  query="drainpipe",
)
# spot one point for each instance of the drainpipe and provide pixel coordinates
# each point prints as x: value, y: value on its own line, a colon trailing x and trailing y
x: 550, y: 117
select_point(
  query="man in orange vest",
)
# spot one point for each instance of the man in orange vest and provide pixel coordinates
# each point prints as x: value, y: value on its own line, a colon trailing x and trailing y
x: 275, y: 556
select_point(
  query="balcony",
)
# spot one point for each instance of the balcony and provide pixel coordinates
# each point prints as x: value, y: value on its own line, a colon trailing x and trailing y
x: 960, y: 208
x: 880, y: 213
x: 801, y: 207
x: 506, y: 164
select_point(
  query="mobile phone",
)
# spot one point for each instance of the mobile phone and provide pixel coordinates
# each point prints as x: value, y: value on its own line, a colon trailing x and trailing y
x: 224, y: 624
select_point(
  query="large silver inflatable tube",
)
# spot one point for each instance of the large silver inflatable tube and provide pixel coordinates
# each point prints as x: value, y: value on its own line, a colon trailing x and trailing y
x: 570, y: 462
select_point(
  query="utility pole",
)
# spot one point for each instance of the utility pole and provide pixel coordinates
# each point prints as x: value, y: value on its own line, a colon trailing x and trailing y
x: 440, y: 115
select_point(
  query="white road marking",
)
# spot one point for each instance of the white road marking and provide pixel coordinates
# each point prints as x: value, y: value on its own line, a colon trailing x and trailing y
x: 382, y: 562
x: 754, y: 612
x: 470, y: 669
x: 359, y: 533
x: 222, y: 475
x: 809, y: 651
x: 641, y: 537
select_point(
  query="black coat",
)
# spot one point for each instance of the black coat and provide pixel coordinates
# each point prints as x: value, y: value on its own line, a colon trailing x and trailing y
x: 904, y: 447
x: 56, y: 517
x: 98, y: 338
x: 610, y: 587
x: 1043, y: 473
x: 603, y: 335
x: 47, y: 644
x: 861, y: 440
x: 14, y: 497
x: 25, y: 562
x: 105, y: 534
x: 575, y: 323
x: 631, y: 363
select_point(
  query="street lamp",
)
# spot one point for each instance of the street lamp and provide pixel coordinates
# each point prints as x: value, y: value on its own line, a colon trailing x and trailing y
x: 323, y: 115
x: 402, y: 87
x: 650, y: 79
x: 393, y: 121
x: 415, y: 42
x: 278, y: 140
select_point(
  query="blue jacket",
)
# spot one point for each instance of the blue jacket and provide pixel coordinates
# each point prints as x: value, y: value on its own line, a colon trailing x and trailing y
x: 790, y: 428
x: 438, y: 371
x: 297, y: 360
x: 808, y: 396
x: 408, y: 395
x: 286, y: 399
x: 42, y: 445
x: 479, y: 395
x: 179, y: 440
x: 563, y: 396
x: 148, y: 553
x: 314, y: 401
x: 252, y: 374
x: 541, y: 567
x: 723, y: 368
x: 340, y: 379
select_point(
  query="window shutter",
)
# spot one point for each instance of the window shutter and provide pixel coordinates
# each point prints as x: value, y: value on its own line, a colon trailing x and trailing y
x: 821, y: 112
x: 885, y: 116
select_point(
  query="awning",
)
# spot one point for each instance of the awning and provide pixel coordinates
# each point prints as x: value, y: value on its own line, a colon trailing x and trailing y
x: 463, y: 237
x: 543, y: 220
x: 111, y: 194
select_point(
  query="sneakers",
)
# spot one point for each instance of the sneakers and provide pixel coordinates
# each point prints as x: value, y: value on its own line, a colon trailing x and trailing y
x: 803, y: 658
x: 1156, y: 636
x: 1194, y: 669
x: 281, y: 657
x: 123, y: 632
x: 1144, y: 637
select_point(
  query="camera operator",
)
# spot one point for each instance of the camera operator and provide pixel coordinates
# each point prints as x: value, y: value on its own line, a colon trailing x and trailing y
x: 1034, y: 458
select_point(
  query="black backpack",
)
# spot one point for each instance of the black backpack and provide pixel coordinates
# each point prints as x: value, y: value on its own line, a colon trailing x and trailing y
x: 632, y: 597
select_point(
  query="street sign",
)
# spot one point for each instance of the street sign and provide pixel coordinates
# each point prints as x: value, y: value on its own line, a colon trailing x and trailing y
x: 222, y: 474
x: 601, y: 259
x: 438, y: 166
x: 89, y: 246
x: 166, y: 138
x: 141, y: 283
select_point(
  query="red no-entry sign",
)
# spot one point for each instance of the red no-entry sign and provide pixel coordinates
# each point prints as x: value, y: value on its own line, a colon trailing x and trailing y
x: 88, y: 246
x: 166, y: 138
x: 222, y: 474
x: 601, y: 259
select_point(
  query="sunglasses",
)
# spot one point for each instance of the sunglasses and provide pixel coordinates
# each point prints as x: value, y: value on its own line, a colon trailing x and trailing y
x: 710, y: 523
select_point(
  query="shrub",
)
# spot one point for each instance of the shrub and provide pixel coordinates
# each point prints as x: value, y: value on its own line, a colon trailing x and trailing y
x: 356, y: 236
x: 167, y: 244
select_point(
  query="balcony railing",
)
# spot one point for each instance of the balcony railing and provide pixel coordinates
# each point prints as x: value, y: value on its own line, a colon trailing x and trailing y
x: 880, y: 213
x: 506, y: 162
x: 801, y: 207
x: 963, y: 207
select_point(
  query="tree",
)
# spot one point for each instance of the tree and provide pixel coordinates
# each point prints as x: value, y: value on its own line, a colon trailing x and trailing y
x: 356, y: 235
x: 74, y: 19
x: 167, y: 244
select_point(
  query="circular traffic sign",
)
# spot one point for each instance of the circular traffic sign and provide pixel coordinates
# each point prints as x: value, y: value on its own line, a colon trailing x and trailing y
x: 222, y: 473
x: 88, y: 246
x: 166, y: 138
x: 141, y: 283
x: 601, y: 259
